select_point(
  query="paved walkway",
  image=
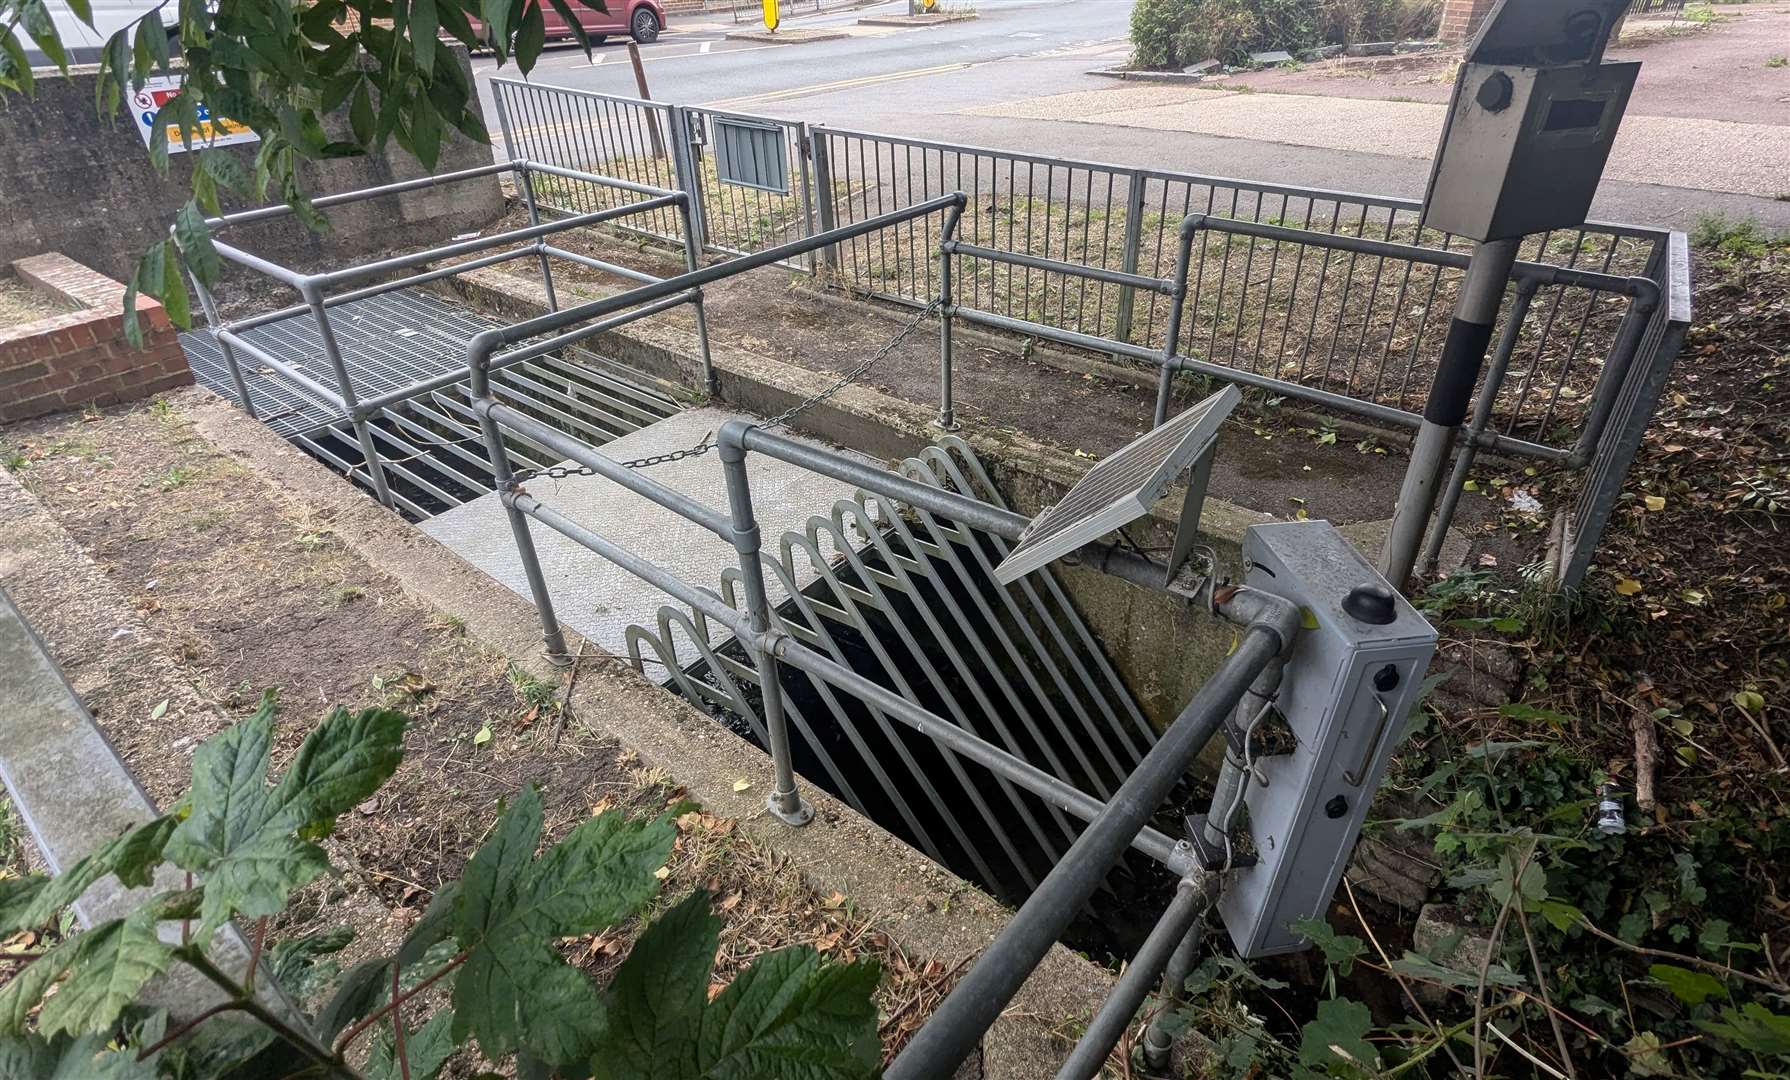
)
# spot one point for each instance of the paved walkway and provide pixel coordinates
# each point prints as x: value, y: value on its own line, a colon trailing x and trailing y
x: 1716, y: 155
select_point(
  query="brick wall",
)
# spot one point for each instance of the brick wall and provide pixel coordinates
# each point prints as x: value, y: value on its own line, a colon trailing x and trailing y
x: 1460, y: 18
x: 82, y: 358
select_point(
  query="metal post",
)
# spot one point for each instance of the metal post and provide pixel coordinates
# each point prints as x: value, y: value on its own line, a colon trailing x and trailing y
x: 1165, y: 382
x: 658, y: 140
x: 1482, y: 415
x: 1457, y: 371
x: 345, y: 390
x: 1178, y: 925
x: 945, y: 420
x: 688, y: 172
x: 534, y: 218
x: 785, y: 802
x: 823, y: 195
x: 1134, y: 216
x: 978, y: 999
x: 801, y: 130
x: 503, y: 481
x: 1158, y: 1040
x: 692, y: 263
x: 209, y: 305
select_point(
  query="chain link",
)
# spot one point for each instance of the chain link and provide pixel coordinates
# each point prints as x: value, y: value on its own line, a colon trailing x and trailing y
x: 857, y: 371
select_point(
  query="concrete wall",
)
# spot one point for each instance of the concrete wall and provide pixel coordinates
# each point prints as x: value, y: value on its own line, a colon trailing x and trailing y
x: 81, y: 185
x: 82, y: 357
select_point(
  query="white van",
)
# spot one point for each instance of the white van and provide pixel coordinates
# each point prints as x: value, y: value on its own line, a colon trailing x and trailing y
x: 83, y: 43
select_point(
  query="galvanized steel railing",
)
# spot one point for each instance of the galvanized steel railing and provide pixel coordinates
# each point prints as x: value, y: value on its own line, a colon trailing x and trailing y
x: 1338, y: 299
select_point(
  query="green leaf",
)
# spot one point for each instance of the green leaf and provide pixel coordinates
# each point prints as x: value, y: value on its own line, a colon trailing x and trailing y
x: 151, y: 47
x: 1753, y: 1027
x: 193, y: 237
x: 1419, y: 967
x: 1690, y: 987
x: 20, y: 996
x: 788, y: 1015
x: 31, y: 901
x: 32, y: 1057
x: 15, y: 66
x: 295, y: 963
x: 426, y: 1050
x: 530, y: 38
x: 495, y: 14
x: 791, y: 1014
x: 656, y: 1002
x: 110, y: 965
x: 514, y: 991
x: 34, y: 16
x: 240, y: 835
x: 225, y: 170
x: 1338, y: 1034
x: 360, y: 115
x: 1341, y: 950
x: 1561, y: 916
x: 359, y: 993
x: 424, y: 27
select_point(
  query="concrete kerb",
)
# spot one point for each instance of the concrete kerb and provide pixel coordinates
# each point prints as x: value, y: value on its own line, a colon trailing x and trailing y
x: 68, y: 781
x: 790, y: 37
x: 933, y: 19
x: 921, y: 905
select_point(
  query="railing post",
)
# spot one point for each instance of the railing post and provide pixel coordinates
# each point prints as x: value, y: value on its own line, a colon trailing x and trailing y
x: 785, y: 802
x: 345, y: 390
x: 526, y: 183
x: 823, y: 196
x: 688, y: 172
x: 1134, y: 232
x: 801, y: 130
x: 946, y: 234
x: 209, y: 305
x: 692, y: 263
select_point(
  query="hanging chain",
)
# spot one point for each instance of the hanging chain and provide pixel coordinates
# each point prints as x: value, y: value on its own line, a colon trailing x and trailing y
x: 858, y: 371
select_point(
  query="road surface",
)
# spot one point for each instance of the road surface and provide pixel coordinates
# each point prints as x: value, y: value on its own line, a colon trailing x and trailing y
x: 997, y: 81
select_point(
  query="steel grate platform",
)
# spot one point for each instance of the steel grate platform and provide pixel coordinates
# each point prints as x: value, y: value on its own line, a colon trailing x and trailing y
x: 388, y: 342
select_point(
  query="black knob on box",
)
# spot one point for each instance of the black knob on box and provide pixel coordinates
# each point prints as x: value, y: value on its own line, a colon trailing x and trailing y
x: 1371, y: 604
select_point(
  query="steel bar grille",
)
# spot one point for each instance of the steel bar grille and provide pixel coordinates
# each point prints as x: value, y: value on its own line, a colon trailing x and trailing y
x: 909, y: 600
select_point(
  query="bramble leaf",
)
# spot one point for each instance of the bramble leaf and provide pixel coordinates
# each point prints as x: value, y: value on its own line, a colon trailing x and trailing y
x: 426, y: 1050
x: 789, y: 1015
x: 31, y: 901
x: 1690, y: 987
x: 110, y: 963
x: 244, y: 838
x: 1338, y: 1035
x: 1753, y: 1027
x: 514, y: 992
x: 64, y: 1058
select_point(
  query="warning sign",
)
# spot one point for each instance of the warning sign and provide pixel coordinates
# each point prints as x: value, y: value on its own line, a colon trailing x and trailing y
x: 147, y: 104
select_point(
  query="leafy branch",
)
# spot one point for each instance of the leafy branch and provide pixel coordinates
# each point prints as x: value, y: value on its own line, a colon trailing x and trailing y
x: 315, y: 81
x: 487, y: 941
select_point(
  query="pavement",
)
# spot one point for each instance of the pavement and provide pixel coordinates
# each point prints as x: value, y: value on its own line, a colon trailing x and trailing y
x: 1708, y: 130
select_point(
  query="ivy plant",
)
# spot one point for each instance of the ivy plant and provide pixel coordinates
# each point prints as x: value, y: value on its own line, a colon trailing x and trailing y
x: 479, y: 969
x: 282, y: 69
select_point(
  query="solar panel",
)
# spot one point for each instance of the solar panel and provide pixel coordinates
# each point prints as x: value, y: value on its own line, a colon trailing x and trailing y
x: 1121, y: 488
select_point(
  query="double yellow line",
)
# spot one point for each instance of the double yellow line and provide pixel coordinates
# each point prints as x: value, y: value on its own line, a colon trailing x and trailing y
x: 824, y: 88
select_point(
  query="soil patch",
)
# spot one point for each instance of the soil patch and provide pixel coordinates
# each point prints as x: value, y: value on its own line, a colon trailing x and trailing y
x: 21, y: 304
x: 245, y: 590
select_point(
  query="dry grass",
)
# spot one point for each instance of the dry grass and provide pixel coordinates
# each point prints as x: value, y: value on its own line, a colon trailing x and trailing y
x: 21, y: 304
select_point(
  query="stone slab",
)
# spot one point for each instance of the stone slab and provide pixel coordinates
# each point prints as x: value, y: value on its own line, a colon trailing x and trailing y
x: 594, y: 596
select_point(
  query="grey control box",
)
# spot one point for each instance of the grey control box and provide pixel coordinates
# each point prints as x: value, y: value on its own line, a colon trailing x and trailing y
x: 1530, y: 125
x: 1349, y: 683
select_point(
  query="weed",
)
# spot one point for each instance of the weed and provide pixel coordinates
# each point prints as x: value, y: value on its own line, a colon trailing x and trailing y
x: 534, y: 692
x: 14, y: 460
x: 314, y: 541
x: 209, y: 518
x: 1718, y: 232
x: 1778, y: 62
x: 177, y: 476
x: 343, y: 595
x: 1702, y: 15
x: 162, y: 410
x: 452, y: 625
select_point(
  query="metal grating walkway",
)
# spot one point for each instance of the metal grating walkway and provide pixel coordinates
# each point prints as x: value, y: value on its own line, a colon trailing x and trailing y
x: 388, y: 342
x: 430, y: 446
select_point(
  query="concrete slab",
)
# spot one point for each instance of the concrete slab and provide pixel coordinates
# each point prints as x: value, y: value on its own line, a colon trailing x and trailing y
x: 601, y: 600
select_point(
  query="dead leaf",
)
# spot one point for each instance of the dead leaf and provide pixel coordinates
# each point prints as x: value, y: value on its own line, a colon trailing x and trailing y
x: 1628, y: 586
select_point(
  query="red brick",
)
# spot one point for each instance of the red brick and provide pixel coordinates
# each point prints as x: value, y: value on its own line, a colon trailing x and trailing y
x: 16, y: 374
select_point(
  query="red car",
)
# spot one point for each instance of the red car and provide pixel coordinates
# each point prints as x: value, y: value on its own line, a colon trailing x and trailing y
x: 641, y: 20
